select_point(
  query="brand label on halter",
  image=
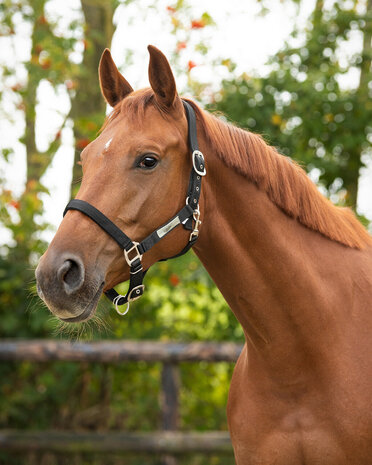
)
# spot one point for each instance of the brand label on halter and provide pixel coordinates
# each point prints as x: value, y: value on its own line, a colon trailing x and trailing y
x: 168, y: 227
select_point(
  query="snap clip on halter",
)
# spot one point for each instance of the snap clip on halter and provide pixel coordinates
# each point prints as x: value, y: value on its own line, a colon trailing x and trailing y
x: 195, y: 232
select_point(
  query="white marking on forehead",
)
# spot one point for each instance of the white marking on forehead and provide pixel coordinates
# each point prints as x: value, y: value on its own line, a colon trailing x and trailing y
x: 107, y: 145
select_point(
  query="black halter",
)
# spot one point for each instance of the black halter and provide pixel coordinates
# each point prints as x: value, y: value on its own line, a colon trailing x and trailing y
x: 133, y: 251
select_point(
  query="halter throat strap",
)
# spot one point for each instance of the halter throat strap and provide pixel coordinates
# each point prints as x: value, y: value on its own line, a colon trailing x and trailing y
x: 188, y: 216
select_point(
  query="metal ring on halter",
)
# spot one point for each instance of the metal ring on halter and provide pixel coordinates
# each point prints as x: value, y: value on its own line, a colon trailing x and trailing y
x: 115, y: 302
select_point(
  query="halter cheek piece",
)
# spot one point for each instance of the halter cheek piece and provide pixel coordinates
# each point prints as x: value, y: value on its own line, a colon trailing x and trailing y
x: 188, y: 216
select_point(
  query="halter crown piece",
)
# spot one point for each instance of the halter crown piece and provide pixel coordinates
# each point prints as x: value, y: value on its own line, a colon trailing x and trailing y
x: 188, y: 216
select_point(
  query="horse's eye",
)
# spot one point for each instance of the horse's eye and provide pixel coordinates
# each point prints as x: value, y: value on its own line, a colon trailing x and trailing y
x: 148, y: 162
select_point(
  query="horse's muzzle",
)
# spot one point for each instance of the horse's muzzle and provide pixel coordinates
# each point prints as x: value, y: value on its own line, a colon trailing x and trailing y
x: 65, y: 286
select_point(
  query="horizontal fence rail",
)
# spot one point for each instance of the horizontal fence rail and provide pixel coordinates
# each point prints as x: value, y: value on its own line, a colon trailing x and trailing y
x: 171, y: 442
x: 118, y: 351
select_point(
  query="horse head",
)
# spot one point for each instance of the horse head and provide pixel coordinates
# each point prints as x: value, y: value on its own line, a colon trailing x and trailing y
x: 136, y: 173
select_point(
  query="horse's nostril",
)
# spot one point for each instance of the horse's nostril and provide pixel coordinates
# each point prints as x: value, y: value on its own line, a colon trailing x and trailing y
x: 71, y: 273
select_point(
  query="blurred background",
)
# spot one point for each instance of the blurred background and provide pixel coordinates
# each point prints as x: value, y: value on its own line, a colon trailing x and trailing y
x: 298, y: 72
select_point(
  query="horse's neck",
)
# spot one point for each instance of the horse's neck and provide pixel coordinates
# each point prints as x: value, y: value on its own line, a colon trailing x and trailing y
x: 272, y: 271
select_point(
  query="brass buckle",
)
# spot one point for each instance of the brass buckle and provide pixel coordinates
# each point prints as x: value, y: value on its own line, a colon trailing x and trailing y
x: 127, y: 252
x: 201, y: 168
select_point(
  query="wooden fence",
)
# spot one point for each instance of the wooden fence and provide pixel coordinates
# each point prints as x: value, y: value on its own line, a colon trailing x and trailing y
x: 167, y: 441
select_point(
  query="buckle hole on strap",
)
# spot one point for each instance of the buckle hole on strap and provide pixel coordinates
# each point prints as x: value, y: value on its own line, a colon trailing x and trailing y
x: 136, y: 293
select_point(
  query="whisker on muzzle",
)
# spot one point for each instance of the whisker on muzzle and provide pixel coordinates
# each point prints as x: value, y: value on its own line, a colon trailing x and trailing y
x: 81, y: 331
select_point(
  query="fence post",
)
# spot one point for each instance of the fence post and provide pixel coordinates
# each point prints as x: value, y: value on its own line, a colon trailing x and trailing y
x: 170, y: 383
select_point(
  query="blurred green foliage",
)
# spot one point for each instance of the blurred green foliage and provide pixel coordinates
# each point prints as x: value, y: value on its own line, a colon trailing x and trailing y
x: 181, y: 303
x: 315, y: 103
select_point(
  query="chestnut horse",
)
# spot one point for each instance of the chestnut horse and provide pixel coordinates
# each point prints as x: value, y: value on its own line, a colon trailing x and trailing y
x: 295, y: 270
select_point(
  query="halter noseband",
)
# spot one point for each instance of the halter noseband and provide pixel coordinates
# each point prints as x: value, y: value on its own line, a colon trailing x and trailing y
x: 133, y: 251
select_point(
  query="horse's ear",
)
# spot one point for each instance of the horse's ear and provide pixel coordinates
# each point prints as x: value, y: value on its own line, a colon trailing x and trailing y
x: 161, y: 78
x: 114, y: 86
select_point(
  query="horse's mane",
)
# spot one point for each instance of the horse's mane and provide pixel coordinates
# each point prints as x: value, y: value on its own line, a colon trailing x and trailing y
x: 284, y: 181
